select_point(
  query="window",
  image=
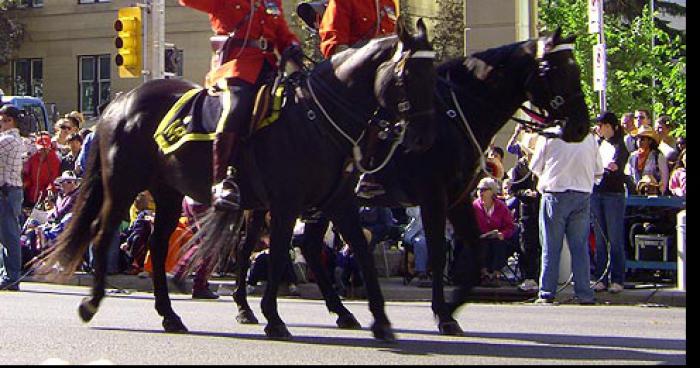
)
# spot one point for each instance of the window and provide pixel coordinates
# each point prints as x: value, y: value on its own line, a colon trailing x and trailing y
x: 92, y: 1
x: 28, y: 77
x: 31, y: 3
x: 95, y: 83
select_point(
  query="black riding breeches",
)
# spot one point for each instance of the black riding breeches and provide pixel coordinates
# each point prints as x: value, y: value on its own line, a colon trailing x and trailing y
x: 238, y: 101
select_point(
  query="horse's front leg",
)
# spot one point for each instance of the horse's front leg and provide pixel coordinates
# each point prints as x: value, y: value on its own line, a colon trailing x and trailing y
x: 346, y: 217
x: 281, y: 228
x: 311, y: 249
x: 255, y: 219
x: 433, y: 215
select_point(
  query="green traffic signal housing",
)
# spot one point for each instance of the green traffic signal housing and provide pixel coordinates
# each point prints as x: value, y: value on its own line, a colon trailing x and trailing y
x: 129, y: 57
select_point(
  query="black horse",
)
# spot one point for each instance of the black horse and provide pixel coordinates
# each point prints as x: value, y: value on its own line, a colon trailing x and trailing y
x: 294, y: 164
x: 475, y: 97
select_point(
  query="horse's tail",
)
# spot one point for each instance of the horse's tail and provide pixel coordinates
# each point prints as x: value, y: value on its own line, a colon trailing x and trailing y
x: 217, y: 240
x: 60, y: 261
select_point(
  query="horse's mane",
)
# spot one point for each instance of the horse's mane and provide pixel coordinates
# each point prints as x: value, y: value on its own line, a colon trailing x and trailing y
x: 479, y: 63
x: 356, y: 55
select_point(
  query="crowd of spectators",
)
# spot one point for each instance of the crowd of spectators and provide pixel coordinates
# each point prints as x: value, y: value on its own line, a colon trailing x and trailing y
x: 638, y: 159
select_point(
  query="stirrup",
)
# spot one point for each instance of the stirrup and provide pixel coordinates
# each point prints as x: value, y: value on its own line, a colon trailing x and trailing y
x: 227, y: 196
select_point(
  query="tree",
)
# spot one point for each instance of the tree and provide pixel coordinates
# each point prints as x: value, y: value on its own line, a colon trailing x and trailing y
x: 11, y: 31
x: 634, y: 65
x: 448, y: 32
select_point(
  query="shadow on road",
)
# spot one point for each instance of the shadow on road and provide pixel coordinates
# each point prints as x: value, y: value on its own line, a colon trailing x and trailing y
x: 560, y: 347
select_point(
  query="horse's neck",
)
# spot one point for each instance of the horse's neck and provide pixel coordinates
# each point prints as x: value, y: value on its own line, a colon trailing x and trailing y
x: 489, y: 104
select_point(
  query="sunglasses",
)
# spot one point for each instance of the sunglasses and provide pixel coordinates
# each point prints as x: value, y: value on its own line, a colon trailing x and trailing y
x: 640, y: 117
x: 65, y: 127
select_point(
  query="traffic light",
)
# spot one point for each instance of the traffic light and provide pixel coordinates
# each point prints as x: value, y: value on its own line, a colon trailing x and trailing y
x: 128, y: 42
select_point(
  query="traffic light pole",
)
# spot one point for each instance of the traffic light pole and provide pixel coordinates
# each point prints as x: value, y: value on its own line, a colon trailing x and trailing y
x: 157, y: 61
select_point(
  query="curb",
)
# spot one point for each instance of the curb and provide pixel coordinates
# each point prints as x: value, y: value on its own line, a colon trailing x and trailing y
x: 394, y: 290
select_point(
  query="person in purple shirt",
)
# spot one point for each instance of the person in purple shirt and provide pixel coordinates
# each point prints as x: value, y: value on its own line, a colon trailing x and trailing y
x: 496, y: 227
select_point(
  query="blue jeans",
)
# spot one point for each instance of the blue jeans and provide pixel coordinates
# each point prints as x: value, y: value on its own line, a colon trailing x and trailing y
x: 10, y: 211
x: 566, y: 213
x: 420, y: 250
x: 608, y: 212
x: 112, y: 255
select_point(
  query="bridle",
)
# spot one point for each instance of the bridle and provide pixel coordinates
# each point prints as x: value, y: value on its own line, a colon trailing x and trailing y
x: 394, y: 130
x: 540, y: 122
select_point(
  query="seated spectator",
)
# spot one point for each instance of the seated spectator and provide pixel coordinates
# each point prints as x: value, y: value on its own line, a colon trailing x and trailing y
x: 67, y: 185
x: 40, y: 170
x: 137, y: 237
x: 74, y: 143
x: 379, y: 221
x: 496, y: 227
x: 143, y: 201
x: 414, y: 237
x: 648, y: 161
x: 258, y: 269
x: 676, y: 184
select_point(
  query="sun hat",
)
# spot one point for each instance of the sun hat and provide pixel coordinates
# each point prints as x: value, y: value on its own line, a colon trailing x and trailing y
x: 646, y: 131
x: 67, y: 175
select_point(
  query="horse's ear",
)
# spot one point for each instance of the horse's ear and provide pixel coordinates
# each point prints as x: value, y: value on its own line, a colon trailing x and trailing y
x: 570, y: 39
x: 557, y: 36
x: 402, y: 31
x: 422, y: 29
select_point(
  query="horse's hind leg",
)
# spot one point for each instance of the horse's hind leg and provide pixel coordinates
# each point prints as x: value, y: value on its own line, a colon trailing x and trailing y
x: 168, y: 210
x: 254, y: 222
x: 347, y: 218
x: 311, y: 249
x: 282, y: 224
x: 115, y: 203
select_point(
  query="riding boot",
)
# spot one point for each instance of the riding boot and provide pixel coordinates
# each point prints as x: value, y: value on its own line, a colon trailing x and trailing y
x: 226, y: 193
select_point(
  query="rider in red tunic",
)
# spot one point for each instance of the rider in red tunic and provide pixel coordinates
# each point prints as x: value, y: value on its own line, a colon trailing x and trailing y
x: 257, y: 29
x: 347, y: 22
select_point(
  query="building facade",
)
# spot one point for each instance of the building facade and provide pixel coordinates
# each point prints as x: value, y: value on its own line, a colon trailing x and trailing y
x: 67, y: 57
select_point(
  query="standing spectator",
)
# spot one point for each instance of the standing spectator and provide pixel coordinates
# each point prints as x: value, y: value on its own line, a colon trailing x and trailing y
x: 667, y: 144
x: 642, y: 118
x: 648, y: 161
x: 194, y: 211
x: 40, y: 170
x: 494, y: 163
x: 77, y: 115
x: 379, y: 221
x: 608, y: 207
x: 627, y: 122
x: 11, y: 151
x: 74, y: 142
x: 496, y: 227
x: 566, y: 173
x: 524, y: 187
x: 81, y: 160
x: 677, y: 182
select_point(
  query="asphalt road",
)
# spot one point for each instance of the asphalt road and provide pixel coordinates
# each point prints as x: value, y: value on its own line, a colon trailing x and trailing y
x: 40, y: 325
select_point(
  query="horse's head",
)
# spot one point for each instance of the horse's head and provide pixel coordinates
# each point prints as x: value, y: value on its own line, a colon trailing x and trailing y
x: 555, y: 87
x: 404, y: 86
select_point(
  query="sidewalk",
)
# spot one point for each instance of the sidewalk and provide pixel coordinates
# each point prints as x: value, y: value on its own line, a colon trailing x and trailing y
x: 394, y: 291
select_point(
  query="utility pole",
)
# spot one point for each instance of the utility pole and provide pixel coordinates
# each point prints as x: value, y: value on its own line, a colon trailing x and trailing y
x: 595, y: 25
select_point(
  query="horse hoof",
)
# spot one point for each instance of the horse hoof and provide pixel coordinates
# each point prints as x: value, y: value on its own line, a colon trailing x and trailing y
x: 86, y: 310
x: 173, y: 325
x: 348, y: 322
x: 383, y: 332
x: 450, y: 328
x: 246, y: 317
x: 278, y: 332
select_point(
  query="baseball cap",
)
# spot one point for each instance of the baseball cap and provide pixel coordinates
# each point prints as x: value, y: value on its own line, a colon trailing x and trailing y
x: 43, y: 141
x: 607, y: 117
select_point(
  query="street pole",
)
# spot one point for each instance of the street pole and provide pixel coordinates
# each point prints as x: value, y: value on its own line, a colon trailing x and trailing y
x: 595, y: 25
x: 601, y: 41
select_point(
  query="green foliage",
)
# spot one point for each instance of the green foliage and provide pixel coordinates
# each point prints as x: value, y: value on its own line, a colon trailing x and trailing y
x: 12, y: 32
x: 634, y: 65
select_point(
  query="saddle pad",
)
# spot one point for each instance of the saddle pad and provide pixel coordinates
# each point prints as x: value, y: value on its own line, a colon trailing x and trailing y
x: 194, y: 117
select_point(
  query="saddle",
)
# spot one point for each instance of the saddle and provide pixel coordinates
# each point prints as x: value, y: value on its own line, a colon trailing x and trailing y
x: 197, y: 114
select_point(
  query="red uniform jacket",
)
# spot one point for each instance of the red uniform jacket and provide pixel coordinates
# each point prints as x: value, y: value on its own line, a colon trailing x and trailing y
x: 267, y: 22
x: 346, y: 22
x: 39, y: 174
